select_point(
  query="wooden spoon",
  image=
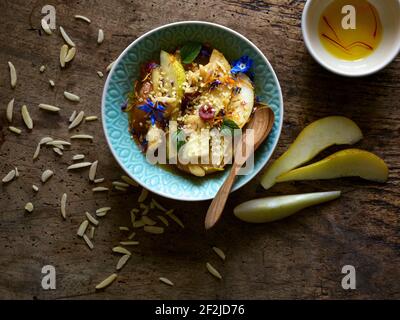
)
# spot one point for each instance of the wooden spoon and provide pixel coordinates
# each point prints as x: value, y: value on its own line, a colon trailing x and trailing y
x: 262, y: 123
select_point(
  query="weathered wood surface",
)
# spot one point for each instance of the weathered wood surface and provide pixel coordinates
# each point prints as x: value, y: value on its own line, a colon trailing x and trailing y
x: 300, y: 257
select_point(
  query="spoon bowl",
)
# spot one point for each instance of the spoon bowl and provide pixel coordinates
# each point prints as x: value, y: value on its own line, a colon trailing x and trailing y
x: 261, y: 124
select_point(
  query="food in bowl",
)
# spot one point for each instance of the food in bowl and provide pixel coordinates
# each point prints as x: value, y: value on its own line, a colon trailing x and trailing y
x: 197, y: 89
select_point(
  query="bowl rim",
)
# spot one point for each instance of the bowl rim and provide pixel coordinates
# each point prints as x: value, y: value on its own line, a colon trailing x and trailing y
x: 310, y: 47
x: 125, y: 51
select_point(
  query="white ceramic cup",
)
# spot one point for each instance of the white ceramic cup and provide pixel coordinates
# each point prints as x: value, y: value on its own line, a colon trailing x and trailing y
x: 389, y: 12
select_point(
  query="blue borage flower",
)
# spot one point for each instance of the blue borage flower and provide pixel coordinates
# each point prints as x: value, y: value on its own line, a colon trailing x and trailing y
x: 242, y: 65
x: 155, y: 111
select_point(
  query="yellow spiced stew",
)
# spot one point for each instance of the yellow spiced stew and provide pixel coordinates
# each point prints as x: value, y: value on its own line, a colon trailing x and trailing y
x: 196, y: 87
x: 350, y: 29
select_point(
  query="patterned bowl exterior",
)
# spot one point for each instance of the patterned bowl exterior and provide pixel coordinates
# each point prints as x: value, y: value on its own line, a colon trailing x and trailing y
x: 171, y: 183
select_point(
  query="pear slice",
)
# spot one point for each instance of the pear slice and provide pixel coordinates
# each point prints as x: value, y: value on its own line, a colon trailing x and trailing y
x: 174, y: 77
x: 345, y: 163
x: 275, y: 208
x: 316, y: 137
x: 242, y: 103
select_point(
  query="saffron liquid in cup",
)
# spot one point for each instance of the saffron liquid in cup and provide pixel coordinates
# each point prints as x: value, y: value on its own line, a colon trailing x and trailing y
x: 350, y: 34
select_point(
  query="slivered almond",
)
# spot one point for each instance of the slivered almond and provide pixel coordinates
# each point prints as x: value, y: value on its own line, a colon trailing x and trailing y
x: 166, y: 281
x: 9, y: 111
x: 88, y: 242
x: 63, y: 206
x: 109, y: 67
x: 82, y: 228
x: 143, y: 195
x: 91, y: 118
x: 122, y: 261
x: 93, y: 170
x: 26, y: 117
x: 153, y: 229
x: 58, y: 151
x: 219, y: 253
x: 79, y: 165
x: 15, y: 130
x: 163, y: 220
x: 77, y: 121
x: 45, y: 140
x: 46, y: 175
x: 45, y: 26
x: 52, y: 83
x: 213, y: 271
x: 58, y: 143
x: 13, y: 75
x: 78, y: 157
x: 100, y: 36
x: 129, y: 243
x: 9, y: 176
x: 100, y: 189
x: 83, y: 18
x: 130, y: 181
x: 170, y: 214
x: 72, y: 117
x: 121, y: 250
x: 70, y: 55
x: 63, y: 54
x: 106, y: 282
x: 42, y: 68
x: 91, y: 219
x: 120, y: 184
x: 98, y: 180
x: 71, y: 97
x: 82, y: 136
x: 49, y: 107
x: 100, y: 74
x: 29, y: 207
x: 35, y: 188
x: 66, y: 37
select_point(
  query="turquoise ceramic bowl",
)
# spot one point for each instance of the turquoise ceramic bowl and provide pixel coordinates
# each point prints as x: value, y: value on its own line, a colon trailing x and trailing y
x: 167, y: 183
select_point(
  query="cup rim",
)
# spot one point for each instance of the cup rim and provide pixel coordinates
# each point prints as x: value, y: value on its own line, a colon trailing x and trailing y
x: 389, y: 58
x: 132, y: 44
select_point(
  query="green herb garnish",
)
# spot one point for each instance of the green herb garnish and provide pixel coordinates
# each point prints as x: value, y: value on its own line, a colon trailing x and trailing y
x: 190, y: 51
x: 228, y: 127
x: 179, y: 138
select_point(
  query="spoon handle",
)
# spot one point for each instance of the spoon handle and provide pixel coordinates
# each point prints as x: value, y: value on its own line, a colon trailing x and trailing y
x: 218, y: 204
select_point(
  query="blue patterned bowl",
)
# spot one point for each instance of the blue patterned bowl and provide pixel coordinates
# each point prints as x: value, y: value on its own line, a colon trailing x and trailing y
x: 158, y: 179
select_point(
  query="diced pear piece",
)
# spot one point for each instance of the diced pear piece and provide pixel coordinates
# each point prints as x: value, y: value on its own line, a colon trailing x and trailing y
x: 242, y: 103
x: 316, y: 137
x: 275, y: 208
x: 174, y: 77
x: 345, y: 163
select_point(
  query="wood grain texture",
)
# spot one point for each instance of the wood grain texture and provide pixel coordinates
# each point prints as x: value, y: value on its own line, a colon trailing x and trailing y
x: 300, y: 257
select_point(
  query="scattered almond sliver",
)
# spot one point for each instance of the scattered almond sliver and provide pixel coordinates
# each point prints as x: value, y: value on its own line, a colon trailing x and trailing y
x: 121, y: 250
x: 153, y: 229
x: 9, y: 176
x: 66, y: 37
x: 45, y: 26
x: 213, y: 271
x: 49, y: 107
x: 83, y: 18
x: 15, y: 130
x: 122, y: 261
x: 106, y: 282
x: 72, y: 97
x: 220, y: 253
x: 10, y: 110
x: 13, y: 75
x: 166, y: 281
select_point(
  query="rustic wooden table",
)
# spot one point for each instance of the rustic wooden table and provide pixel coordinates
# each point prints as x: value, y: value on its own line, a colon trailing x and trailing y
x: 300, y: 257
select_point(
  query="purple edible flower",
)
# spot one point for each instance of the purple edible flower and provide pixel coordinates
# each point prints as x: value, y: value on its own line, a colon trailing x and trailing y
x: 242, y: 65
x: 215, y: 84
x: 155, y: 111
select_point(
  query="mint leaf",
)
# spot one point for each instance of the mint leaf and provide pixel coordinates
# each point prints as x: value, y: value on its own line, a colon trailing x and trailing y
x: 228, y: 127
x: 179, y: 138
x: 190, y: 51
